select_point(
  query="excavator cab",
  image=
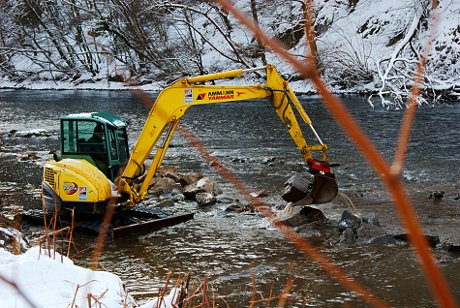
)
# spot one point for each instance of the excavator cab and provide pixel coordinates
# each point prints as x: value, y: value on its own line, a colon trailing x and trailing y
x: 99, y: 138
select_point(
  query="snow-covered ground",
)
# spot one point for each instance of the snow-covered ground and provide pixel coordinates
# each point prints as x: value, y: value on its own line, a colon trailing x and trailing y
x: 56, y: 282
x: 363, y: 46
x: 39, y: 278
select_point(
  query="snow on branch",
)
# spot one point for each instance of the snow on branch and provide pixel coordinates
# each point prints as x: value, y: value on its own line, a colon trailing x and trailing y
x: 393, y: 83
x: 399, y: 71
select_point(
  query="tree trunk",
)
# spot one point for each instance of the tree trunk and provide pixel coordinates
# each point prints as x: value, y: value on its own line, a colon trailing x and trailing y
x: 261, y: 48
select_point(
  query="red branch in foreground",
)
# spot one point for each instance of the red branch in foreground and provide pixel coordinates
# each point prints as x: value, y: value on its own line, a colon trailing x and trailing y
x: 406, y: 213
x: 300, y: 243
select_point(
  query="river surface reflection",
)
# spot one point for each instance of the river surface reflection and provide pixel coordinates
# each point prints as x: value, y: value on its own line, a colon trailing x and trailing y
x: 250, y: 140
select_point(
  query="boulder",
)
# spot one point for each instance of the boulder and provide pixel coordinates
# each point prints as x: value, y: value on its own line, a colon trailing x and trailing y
x: 174, y: 176
x: 205, y: 198
x: 367, y: 233
x: 236, y: 206
x: 269, y: 160
x: 164, y: 203
x: 165, y: 170
x: 450, y: 247
x: 162, y: 186
x: 5, y: 222
x: 191, y: 178
x: 260, y: 193
x: 29, y: 155
x: 349, y: 220
x: 386, y: 239
x: 436, y: 195
x: 347, y: 237
x: 296, y: 188
x: 238, y: 160
x: 371, y: 219
x: 205, y: 184
x: 432, y: 240
x: 13, y: 240
x: 304, y: 216
x: 312, y: 214
x: 175, y: 195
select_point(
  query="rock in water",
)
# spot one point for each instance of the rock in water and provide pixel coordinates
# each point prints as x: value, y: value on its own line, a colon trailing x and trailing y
x: 349, y: 220
x: 205, y: 184
x: 348, y: 237
x: 205, y: 198
x: 305, y: 215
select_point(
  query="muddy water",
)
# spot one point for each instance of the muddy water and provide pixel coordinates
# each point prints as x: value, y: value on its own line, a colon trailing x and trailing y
x: 249, y: 139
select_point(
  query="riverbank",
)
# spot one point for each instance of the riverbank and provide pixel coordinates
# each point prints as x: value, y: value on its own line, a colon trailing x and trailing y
x: 300, y: 87
x: 96, y: 85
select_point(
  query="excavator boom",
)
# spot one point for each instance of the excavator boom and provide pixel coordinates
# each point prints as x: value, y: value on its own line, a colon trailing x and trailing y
x: 174, y: 101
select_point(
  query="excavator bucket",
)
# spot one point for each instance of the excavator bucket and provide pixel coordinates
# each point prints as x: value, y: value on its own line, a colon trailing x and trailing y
x: 301, y: 191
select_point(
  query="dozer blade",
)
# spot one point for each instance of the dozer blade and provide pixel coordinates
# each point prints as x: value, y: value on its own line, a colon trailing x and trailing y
x: 300, y: 191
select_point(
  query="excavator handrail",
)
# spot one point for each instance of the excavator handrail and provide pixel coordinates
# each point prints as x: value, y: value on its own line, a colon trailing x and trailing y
x: 223, y: 75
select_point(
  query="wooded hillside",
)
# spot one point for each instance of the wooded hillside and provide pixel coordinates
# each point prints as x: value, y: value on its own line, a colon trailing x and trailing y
x: 362, y: 45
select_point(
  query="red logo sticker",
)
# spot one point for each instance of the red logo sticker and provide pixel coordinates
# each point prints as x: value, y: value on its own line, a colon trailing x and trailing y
x: 70, y: 188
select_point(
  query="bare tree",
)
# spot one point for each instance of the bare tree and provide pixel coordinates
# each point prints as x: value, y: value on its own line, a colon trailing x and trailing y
x: 255, y: 16
x: 81, y: 40
x: 398, y: 71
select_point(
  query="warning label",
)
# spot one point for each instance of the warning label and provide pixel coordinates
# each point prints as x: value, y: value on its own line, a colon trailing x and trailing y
x: 82, y: 193
x: 188, y: 96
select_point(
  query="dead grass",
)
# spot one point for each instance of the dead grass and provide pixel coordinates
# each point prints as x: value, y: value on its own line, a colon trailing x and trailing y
x: 189, y: 292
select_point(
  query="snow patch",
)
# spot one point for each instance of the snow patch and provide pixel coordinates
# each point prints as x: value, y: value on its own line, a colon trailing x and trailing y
x: 56, y: 282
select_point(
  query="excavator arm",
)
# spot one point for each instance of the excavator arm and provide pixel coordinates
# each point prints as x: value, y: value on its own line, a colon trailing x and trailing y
x: 174, y: 101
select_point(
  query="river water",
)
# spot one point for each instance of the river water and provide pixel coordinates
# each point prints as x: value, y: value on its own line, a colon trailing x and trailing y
x: 249, y: 140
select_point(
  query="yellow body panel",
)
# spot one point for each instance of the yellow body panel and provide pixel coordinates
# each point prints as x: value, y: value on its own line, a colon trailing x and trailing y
x: 75, y: 180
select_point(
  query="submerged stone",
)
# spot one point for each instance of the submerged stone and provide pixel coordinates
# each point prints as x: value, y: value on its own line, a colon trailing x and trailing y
x: 205, y: 198
x: 387, y: 239
x: 304, y: 216
x: 349, y: 220
x: 347, y: 237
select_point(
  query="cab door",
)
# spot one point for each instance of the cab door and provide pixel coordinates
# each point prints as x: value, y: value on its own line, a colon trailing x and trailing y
x: 118, y: 150
x: 78, y: 141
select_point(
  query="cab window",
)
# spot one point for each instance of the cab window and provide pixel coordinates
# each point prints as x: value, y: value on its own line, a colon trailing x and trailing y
x: 113, y: 145
x: 91, y: 137
x: 69, y: 137
x: 82, y: 137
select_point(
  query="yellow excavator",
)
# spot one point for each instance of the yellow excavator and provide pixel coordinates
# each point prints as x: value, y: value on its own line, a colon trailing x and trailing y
x: 95, y: 168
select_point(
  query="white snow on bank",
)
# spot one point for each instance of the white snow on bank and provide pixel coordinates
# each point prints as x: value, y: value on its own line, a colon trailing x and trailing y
x: 299, y: 86
x: 56, y: 282
x: 6, y: 83
x: 31, y: 132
